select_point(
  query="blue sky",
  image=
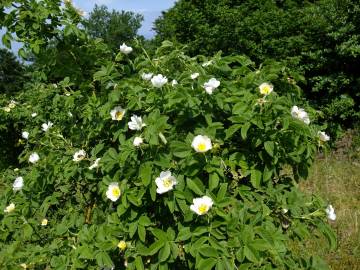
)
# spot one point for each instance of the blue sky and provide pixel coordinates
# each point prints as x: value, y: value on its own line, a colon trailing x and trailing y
x: 151, y: 9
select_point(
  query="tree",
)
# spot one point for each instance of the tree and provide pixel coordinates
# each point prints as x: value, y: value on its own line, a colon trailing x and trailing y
x: 11, y: 73
x: 113, y: 27
x: 318, y: 38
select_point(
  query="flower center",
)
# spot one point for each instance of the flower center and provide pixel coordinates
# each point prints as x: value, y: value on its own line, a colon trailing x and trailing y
x: 202, y: 208
x: 266, y: 89
x: 116, y: 192
x: 202, y: 147
x: 167, y: 183
x: 119, y: 115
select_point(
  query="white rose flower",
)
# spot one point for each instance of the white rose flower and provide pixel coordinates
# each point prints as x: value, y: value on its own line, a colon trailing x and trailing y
x: 300, y: 114
x: 25, y: 135
x: 211, y: 85
x: 79, y: 155
x: 117, y: 113
x: 266, y: 89
x: 194, y: 75
x: 323, y: 136
x: 125, y: 49
x: 165, y: 182
x: 18, y: 183
x: 146, y: 76
x: 136, y: 123
x: 44, y: 222
x: 201, y: 144
x: 113, y: 192
x: 12, y: 104
x: 45, y: 127
x: 34, y: 157
x: 159, y: 80
x: 330, y: 212
x: 34, y: 114
x: 70, y: 114
x: 95, y: 164
x: 7, y: 109
x: 201, y: 205
x: 208, y: 63
x: 137, y: 141
x: 10, y: 208
x: 174, y: 83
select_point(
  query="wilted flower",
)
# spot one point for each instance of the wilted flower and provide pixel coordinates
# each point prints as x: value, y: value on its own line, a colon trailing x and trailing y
x: 323, y: 136
x: 165, y: 182
x: 125, y: 49
x: 146, y: 76
x: 45, y: 127
x: 201, y: 205
x: 137, y: 141
x: 211, y: 85
x: 44, y: 222
x: 18, y: 183
x: 136, y: 123
x: 10, y: 208
x: 95, y: 164
x: 117, y: 113
x: 23, y: 265
x: 194, y: 75
x: 159, y: 80
x: 79, y: 155
x: 122, y: 245
x: 201, y: 144
x: 34, y: 157
x: 330, y: 212
x: 25, y: 135
x: 266, y: 89
x: 174, y: 82
x: 113, y: 192
x: 34, y: 114
x: 300, y: 114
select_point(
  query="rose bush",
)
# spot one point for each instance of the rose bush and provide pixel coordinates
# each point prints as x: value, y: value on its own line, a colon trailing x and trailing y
x: 123, y: 170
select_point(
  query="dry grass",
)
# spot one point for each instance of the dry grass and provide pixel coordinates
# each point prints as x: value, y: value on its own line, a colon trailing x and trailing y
x: 337, y: 180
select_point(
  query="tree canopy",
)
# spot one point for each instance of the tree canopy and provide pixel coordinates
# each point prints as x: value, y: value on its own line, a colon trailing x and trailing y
x: 114, y: 27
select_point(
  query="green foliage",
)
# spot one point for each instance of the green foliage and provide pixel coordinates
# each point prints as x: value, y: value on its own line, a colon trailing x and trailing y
x: 113, y: 27
x: 66, y: 214
x: 317, y: 38
x: 11, y: 73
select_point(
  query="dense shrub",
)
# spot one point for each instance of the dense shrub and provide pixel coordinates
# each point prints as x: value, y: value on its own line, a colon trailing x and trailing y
x: 318, y: 38
x: 123, y: 168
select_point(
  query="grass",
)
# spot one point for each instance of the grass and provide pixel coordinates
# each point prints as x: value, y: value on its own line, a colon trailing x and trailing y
x: 337, y: 179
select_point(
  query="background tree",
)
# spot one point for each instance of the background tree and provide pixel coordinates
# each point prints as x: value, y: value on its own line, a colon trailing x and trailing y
x: 113, y: 27
x: 321, y: 39
x: 11, y: 73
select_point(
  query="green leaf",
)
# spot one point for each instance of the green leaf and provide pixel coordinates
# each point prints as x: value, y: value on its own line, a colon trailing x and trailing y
x: 208, y: 251
x: 180, y: 149
x: 103, y: 259
x: 251, y: 253
x: 196, y: 186
x: 269, y: 147
x: 244, y: 130
x: 139, y: 265
x: 154, y: 247
x: 184, y: 234
x: 207, y: 264
x: 213, y: 181
x: 255, y: 178
x: 231, y: 130
x: 164, y: 252
x: 145, y: 173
